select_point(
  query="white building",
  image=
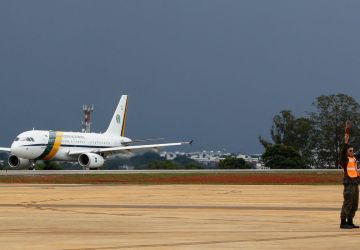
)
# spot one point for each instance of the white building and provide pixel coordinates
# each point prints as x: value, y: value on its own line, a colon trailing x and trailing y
x: 212, y: 158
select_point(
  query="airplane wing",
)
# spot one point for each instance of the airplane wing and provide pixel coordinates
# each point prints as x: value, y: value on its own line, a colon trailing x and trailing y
x: 127, y: 149
x: 142, y: 140
x: 5, y: 149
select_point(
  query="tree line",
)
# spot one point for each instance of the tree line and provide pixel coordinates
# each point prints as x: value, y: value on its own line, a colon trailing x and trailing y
x: 314, y: 140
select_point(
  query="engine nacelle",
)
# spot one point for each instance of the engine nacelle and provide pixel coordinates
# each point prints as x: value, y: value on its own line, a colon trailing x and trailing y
x: 91, y: 160
x: 16, y: 162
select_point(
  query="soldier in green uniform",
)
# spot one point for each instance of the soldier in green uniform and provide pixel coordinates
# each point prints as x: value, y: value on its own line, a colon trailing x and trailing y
x: 351, y: 183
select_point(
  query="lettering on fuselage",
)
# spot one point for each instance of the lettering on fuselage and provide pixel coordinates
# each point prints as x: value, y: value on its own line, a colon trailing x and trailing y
x: 74, y: 136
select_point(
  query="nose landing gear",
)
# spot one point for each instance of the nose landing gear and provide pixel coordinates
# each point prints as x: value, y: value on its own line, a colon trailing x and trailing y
x: 32, y: 165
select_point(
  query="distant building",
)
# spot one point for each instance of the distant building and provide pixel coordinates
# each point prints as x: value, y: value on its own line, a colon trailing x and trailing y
x: 212, y: 158
x: 253, y: 159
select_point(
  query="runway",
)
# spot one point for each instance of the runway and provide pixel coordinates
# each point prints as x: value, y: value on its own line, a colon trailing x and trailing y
x: 89, y: 217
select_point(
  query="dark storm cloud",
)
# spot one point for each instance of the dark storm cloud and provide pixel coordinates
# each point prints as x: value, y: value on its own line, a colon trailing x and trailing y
x: 215, y: 71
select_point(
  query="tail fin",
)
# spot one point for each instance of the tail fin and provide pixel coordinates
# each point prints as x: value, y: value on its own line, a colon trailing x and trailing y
x: 118, y: 122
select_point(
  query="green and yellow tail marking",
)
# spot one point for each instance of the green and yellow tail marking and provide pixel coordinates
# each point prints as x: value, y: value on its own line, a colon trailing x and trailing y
x: 124, y: 119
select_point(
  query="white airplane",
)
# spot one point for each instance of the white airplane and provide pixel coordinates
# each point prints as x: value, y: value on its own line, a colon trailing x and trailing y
x: 88, y: 149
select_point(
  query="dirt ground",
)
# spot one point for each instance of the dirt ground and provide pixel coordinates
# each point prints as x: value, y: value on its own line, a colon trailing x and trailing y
x: 79, y: 217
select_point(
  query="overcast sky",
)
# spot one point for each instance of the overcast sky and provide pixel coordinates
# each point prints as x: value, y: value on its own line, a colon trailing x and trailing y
x: 214, y: 71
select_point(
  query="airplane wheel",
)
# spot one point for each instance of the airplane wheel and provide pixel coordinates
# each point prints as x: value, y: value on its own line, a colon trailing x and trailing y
x: 32, y: 166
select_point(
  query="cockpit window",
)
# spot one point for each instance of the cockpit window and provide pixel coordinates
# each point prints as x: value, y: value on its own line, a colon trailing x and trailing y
x: 24, y: 139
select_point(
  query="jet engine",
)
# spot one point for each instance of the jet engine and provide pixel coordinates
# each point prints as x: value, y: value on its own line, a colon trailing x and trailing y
x: 91, y: 160
x: 15, y: 162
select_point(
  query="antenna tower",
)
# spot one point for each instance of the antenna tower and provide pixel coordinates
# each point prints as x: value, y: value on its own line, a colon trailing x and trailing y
x: 86, y: 123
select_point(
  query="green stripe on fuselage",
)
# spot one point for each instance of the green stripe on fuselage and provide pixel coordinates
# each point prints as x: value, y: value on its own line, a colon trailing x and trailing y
x: 50, y: 145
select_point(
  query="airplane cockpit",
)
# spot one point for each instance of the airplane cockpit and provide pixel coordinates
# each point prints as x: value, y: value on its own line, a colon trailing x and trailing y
x: 29, y: 139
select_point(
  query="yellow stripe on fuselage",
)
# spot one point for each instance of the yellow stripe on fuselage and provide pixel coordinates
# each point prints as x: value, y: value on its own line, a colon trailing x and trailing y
x: 57, y: 144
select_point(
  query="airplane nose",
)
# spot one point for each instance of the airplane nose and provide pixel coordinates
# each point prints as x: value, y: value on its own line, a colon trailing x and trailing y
x: 15, y: 149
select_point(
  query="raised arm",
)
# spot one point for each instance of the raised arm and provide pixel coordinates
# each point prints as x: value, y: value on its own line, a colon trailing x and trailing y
x: 343, y: 154
x: 347, y: 132
x: 346, y: 139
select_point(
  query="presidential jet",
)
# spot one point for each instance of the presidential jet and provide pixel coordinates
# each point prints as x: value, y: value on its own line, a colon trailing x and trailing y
x: 88, y: 149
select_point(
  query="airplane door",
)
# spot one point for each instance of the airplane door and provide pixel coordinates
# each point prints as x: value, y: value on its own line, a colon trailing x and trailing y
x: 45, y: 142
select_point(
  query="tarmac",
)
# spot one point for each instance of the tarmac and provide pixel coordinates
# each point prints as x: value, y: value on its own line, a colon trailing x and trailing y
x: 106, y: 217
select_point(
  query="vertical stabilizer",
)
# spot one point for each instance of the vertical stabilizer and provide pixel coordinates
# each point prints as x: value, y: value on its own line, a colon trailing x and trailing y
x: 118, y: 121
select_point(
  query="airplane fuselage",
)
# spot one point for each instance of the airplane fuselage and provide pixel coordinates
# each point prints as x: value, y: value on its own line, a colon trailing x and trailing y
x: 56, y: 145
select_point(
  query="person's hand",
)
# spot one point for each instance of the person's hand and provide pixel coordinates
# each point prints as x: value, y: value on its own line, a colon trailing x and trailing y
x: 347, y: 138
